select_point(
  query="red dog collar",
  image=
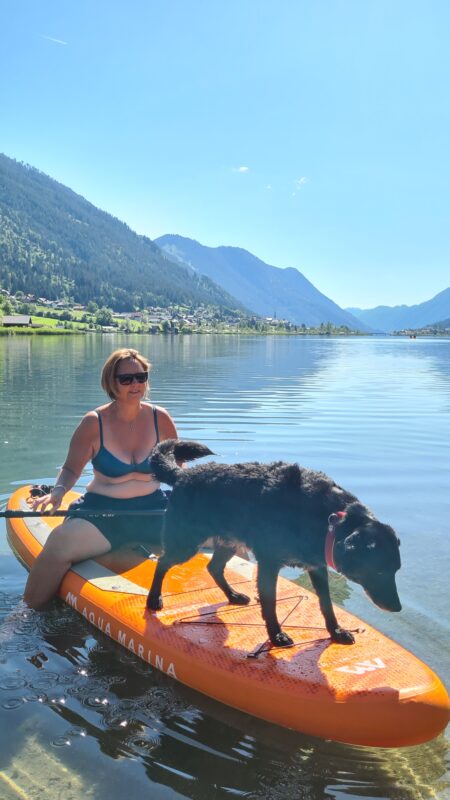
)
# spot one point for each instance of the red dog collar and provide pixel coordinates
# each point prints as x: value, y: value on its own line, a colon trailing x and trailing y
x: 329, y: 542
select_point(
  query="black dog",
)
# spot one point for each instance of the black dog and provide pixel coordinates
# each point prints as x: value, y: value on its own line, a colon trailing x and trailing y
x: 286, y: 514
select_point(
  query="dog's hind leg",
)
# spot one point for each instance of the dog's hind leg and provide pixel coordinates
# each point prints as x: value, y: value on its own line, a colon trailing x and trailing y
x: 319, y: 580
x: 267, y: 590
x: 216, y: 567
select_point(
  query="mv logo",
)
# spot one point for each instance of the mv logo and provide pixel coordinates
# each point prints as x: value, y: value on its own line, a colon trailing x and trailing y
x: 364, y: 666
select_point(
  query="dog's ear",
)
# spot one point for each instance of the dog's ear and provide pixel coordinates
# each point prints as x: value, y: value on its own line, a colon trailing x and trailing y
x: 356, y: 514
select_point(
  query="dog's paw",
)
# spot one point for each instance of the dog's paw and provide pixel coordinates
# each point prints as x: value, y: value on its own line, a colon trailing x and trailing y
x: 155, y: 603
x: 341, y: 636
x: 239, y: 599
x: 281, y: 640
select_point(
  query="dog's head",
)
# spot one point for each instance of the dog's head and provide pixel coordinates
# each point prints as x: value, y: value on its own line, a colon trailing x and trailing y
x: 367, y: 551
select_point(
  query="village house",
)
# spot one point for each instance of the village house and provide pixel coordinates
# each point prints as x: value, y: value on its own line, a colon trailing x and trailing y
x: 17, y: 320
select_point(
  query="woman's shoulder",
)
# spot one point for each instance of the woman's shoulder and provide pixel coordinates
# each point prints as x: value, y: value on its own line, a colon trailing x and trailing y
x: 91, y: 418
x: 152, y: 405
x: 95, y: 413
x: 160, y: 410
x: 87, y: 429
x: 166, y: 424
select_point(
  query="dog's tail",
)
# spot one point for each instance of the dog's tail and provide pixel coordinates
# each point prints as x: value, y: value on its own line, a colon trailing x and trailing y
x: 166, y: 454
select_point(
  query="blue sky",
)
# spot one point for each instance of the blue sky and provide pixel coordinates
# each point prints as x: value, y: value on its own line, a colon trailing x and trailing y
x: 314, y: 134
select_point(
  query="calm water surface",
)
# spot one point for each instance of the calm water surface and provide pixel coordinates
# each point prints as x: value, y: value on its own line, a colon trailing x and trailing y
x: 80, y: 715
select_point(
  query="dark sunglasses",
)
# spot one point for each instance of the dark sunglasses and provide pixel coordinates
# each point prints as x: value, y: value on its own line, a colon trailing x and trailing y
x: 127, y: 378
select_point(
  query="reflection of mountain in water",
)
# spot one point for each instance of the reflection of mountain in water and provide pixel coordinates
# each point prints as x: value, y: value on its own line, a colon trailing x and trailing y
x: 217, y: 385
x: 256, y: 396
x: 131, y: 728
x: 228, y: 387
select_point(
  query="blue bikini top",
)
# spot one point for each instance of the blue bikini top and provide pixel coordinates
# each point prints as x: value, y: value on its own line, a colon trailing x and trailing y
x: 111, y: 466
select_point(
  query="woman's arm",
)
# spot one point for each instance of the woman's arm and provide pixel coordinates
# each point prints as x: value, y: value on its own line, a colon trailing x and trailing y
x: 167, y: 428
x: 81, y: 450
x: 166, y: 425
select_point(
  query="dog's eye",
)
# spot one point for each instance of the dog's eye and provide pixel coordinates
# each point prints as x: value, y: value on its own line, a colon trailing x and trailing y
x: 398, y: 542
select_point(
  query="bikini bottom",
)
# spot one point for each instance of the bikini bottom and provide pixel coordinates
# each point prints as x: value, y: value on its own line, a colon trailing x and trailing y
x: 120, y: 528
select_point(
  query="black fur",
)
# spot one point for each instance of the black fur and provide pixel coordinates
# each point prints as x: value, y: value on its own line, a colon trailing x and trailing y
x: 280, y: 511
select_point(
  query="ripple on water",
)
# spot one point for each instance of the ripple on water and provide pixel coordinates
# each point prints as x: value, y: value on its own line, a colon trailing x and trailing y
x: 94, y: 701
x: 11, y: 682
x: 143, y: 744
x: 22, y: 645
x: 87, y: 691
x: 120, y: 715
x: 66, y: 738
x: 12, y: 703
x: 61, y: 741
x: 44, y: 681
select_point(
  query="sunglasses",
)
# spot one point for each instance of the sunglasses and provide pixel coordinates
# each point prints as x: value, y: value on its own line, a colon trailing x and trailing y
x: 127, y: 378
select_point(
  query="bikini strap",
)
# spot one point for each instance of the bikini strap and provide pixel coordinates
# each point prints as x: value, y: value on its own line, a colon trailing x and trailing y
x: 100, y: 427
x: 155, y: 419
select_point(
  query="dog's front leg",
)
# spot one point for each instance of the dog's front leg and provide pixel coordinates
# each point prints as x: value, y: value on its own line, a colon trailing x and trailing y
x: 216, y: 567
x: 154, y: 599
x: 319, y: 579
x: 267, y: 590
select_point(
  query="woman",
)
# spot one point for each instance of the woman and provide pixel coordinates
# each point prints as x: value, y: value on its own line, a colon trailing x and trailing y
x: 118, y: 438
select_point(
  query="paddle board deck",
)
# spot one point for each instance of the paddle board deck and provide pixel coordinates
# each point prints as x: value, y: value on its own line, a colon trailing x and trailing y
x: 371, y: 693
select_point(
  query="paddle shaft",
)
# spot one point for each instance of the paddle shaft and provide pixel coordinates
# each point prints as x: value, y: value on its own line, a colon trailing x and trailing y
x: 154, y: 512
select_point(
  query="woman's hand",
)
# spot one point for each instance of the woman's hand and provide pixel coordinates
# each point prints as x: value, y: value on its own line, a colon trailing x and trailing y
x: 54, y: 499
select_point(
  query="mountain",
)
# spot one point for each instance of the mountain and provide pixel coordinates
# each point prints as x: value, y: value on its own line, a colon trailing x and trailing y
x: 55, y: 244
x: 442, y: 324
x: 397, y: 318
x: 267, y: 290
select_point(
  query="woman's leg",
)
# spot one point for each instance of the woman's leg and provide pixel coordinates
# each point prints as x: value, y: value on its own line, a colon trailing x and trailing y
x: 74, y: 540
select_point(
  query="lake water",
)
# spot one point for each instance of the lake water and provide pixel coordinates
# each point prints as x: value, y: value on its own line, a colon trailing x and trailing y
x: 78, y: 714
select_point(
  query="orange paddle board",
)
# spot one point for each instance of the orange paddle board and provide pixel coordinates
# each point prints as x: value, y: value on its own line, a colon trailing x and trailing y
x: 371, y: 693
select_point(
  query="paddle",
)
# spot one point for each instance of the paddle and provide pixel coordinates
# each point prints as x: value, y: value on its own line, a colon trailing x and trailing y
x: 10, y: 514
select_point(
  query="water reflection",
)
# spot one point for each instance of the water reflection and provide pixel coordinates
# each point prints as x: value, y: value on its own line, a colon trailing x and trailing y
x: 373, y: 413
x: 190, y: 744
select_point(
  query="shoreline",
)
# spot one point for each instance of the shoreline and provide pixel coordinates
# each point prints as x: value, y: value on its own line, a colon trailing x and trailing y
x: 6, y: 331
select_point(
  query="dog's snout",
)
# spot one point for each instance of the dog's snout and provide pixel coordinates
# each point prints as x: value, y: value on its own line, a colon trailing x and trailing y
x: 383, y: 601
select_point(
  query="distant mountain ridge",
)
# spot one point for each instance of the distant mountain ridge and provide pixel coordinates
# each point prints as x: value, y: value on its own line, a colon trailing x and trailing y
x: 55, y: 244
x: 265, y: 289
x: 395, y: 318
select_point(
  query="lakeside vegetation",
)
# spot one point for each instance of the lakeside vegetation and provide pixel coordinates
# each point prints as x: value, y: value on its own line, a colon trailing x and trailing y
x: 59, y: 317
x: 436, y: 329
x: 47, y: 317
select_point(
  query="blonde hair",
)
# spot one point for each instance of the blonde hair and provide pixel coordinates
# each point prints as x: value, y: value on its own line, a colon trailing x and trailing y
x: 110, y: 367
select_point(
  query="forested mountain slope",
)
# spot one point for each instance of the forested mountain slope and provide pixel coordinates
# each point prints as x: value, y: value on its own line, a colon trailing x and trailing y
x: 55, y: 244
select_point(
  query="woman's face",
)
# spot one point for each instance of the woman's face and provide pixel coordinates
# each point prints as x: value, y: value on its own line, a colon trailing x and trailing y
x: 131, y: 380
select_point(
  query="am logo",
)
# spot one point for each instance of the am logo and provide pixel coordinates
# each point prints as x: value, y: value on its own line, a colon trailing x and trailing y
x: 360, y: 667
